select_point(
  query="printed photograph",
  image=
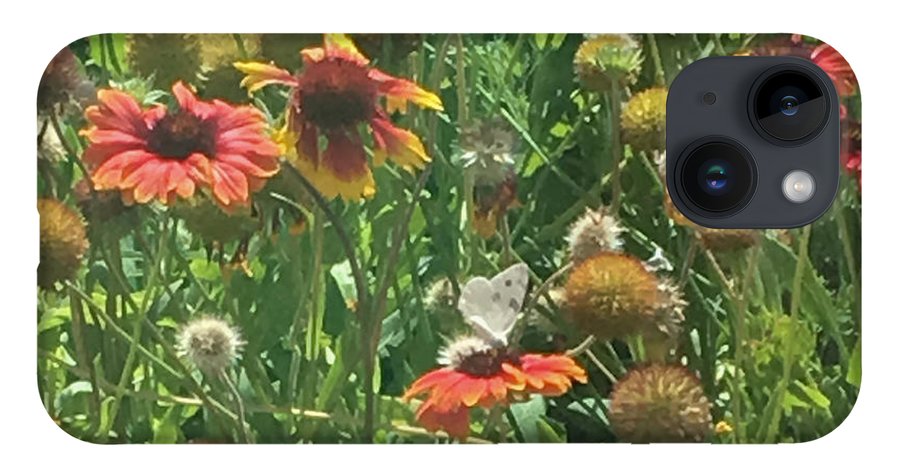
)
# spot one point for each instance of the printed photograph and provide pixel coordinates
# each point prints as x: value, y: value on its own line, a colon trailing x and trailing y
x: 420, y: 238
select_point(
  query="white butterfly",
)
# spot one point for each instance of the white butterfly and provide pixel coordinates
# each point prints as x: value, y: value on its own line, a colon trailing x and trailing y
x: 492, y: 306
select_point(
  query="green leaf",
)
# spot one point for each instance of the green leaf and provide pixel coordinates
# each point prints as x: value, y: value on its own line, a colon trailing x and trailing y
x: 165, y: 429
x: 527, y: 415
x: 815, y: 395
x: 546, y: 432
x: 791, y: 401
x: 854, y: 370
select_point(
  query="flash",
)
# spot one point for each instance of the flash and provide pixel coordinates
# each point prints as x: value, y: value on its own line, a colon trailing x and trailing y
x: 798, y: 186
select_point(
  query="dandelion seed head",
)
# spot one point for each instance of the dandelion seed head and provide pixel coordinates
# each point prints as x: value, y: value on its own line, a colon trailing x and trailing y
x: 210, y: 343
x: 595, y: 231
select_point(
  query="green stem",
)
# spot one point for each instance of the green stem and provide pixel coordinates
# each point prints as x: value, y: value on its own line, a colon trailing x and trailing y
x: 84, y: 360
x: 740, y: 339
x: 239, y: 403
x: 850, y: 258
x: 659, y: 75
x: 462, y: 99
x: 776, y: 406
x: 372, y: 330
x: 615, y: 110
x: 149, y: 296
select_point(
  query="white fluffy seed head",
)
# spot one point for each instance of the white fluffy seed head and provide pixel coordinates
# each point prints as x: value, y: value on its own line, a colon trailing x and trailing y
x: 210, y: 343
x: 596, y: 231
x: 440, y: 295
x: 459, y: 349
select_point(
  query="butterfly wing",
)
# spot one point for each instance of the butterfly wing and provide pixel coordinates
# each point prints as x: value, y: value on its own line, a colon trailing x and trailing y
x: 491, y: 306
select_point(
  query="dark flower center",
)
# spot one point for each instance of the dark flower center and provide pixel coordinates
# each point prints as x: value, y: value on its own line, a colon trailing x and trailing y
x: 336, y: 93
x: 487, y: 363
x: 180, y: 134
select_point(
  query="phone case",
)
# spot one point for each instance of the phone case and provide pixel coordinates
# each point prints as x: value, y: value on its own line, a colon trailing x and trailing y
x: 420, y: 238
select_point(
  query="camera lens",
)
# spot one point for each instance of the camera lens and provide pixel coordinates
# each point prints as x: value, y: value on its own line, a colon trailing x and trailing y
x: 714, y: 177
x: 790, y: 104
x: 717, y: 176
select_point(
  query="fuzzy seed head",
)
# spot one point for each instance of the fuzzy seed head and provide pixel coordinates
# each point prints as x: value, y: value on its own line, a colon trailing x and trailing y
x: 644, y: 120
x: 613, y: 295
x: 660, y: 403
x: 210, y: 343
x: 604, y: 60
x: 487, y: 151
x: 595, y: 231
x: 63, y: 242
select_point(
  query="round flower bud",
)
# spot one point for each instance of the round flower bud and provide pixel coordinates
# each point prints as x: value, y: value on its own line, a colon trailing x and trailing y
x: 62, y: 242
x: 644, y: 120
x: 604, y: 60
x: 613, y: 295
x: 660, y: 404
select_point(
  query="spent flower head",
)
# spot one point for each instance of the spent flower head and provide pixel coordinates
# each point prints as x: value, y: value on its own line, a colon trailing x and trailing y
x: 210, y: 343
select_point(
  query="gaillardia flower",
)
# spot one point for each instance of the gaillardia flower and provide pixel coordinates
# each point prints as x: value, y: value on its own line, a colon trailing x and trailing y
x: 644, y: 120
x: 614, y: 295
x: 477, y: 374
x: 492, y: 201
x: 209, y: 343
x: 604, y: 60
x: 161, y: 153
x: 596, y: 231
x: 62, y: 242
x: 335, y: 93
x: 660, y: 404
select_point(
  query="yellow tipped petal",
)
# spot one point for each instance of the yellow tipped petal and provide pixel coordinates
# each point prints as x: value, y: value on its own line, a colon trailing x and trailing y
x: 344, y: 43
x: 261, y: 74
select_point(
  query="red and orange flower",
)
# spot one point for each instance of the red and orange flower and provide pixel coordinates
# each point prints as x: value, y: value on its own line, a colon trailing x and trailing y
x: 477, y: 374
x: 334, y: 93
x: 161, y: 153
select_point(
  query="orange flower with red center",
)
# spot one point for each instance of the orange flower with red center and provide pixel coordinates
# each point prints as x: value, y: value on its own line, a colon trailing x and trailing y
x: 161, y: 153
x: 477, y: 374
x: 334, y: 93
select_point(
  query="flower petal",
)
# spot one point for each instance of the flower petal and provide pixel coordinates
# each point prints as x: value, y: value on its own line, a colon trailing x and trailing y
x: 402, y: 146
x: 117, y: 110
x: 455, y: 422
x: 262, y: 74
x: 339, y: 44
x: 400, y: 90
